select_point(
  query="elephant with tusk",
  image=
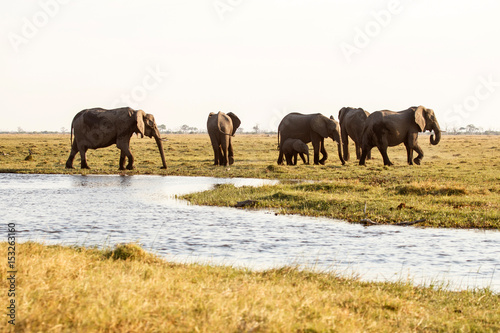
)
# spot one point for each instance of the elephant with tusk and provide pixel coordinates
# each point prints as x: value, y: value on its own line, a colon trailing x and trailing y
x: 99, y: 128
x: 388, y: 128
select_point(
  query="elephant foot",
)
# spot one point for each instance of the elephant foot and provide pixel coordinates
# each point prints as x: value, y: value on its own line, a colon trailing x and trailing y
x: 130, y: 167
x: 417, y: 161
x: 163, y: 167
x: 86, y: 167
x: 68, y: 166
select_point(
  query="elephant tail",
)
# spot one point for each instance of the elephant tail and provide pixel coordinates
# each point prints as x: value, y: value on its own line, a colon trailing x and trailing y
x: 71, y: 131
x: 279, y: 134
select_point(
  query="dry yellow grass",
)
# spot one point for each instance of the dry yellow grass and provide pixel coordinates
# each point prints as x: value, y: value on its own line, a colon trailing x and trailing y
x: 64, y: 289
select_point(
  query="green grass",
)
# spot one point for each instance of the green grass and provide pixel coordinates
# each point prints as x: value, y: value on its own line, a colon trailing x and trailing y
x: 457, y: 185
x: 125, y: 289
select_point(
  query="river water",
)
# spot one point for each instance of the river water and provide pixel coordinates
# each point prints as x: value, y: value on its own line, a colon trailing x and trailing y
x: 106, y: 210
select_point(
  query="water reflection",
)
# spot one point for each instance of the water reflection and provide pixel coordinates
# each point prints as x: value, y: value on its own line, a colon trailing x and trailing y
x: 105, y: 210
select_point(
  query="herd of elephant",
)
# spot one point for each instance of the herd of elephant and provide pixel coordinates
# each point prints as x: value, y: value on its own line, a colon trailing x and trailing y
x: 98, y: 128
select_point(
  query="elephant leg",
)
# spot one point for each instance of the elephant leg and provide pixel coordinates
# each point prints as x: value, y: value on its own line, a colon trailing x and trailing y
x: 382, y: 146
x: 224, y: 148
x: 126, y: 153
x: 230, y: 152
x: 358, y: 152
x: 303, y: 158
x: 280, y: 157
x: 383, y: 151
x: 420, y: 153
x: 122, y: 160
x: 409, y: 154
x: 323, y: 151
x: 124, y: 145
x: 72, y: 154
x: 83, y: 158
x: 217, y: 152
x: 288, y: 158
x: 295, y: 158
x: 364, y: 152
x: 316, y: 151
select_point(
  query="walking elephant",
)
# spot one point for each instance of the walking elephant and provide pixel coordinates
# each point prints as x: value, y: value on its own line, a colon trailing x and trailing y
x: 221, y: 128
x: 312, y: 128
x: 99, y: 128
x: 294, y: 147
x: 352, y: 123
x: 388, y: 128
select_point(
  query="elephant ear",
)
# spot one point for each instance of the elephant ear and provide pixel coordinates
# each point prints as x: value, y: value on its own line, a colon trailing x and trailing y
x: 236, y: 122
x: 221, y: 118
x: 318, y: 125
x: 419, y: 117
x: 139, y: 118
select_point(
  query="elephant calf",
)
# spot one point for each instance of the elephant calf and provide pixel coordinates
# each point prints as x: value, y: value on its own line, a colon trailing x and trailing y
x: 293, y: 147
x: 99, y: 128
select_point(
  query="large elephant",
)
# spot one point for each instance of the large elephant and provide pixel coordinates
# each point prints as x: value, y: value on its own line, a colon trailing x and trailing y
x: 388, y: 128
x: 312, y: 128
x: 352, y: 123
x: 292, y: 148
x: 99, y: 128
x: 221, y: 128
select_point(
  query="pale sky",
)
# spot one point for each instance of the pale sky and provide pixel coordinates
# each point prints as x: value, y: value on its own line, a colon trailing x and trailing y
x: 261, y: 59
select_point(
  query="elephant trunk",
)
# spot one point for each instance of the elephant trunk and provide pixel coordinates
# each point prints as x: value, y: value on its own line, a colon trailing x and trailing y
x: 437, y: 132
x: 160, y: 148
x: 338, y: 139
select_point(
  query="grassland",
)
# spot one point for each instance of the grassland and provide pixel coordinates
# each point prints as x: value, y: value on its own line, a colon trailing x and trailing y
x: 457, y: 185
x: 125, y: 289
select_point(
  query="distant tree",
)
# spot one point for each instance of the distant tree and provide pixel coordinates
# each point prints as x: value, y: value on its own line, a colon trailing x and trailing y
x: 64, y: 130
x: 471, y: 129
x: 162, y: 128
x: 256, y: 128
x: 20, y: 130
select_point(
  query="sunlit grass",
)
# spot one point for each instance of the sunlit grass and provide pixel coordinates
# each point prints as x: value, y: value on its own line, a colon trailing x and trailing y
x: 125, y: 289
x: 457, y: 185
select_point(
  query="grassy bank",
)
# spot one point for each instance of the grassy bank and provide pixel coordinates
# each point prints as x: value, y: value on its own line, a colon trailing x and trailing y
x: 457, y: 185
x: 69, y: 289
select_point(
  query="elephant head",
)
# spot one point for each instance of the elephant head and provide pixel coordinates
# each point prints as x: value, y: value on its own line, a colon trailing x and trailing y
x: 328, y: 128
x: 146, y: 122
x: 426, y: 121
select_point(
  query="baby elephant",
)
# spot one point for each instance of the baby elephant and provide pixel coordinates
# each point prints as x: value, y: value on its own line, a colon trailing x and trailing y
x: 293, y: 147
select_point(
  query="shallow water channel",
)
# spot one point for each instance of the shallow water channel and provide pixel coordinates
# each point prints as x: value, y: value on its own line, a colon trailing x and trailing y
x: 106, y: 210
